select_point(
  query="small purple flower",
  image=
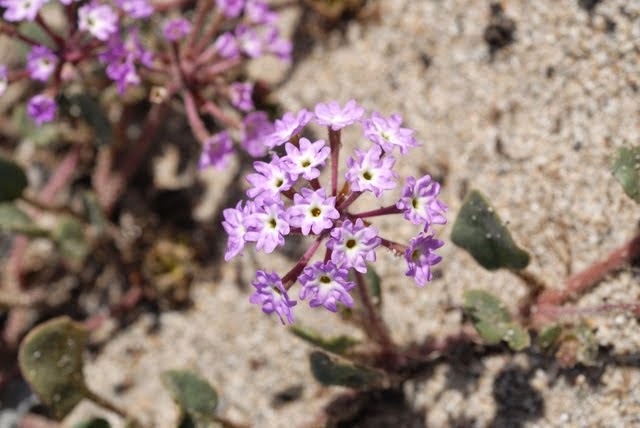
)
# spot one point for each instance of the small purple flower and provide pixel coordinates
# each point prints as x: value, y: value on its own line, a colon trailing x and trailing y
x: 257, y: 11
x: 279, y: 46
x: 241, y: 96
x: 135, y: 8
x: 216, y: 151
x: 100, y: 20
x: 42, y: 108
x: 326, y: 284
x: 255, y: 127
x: 420, y: 257
x: 21, y: 10
x: 305, y: 159
x: 234, y: 226
x: 370, y: 172
x: 227, y: 46
x: 287, y: 127
x: 420, y: 202
x: 388, y: 133
x: 121, y: 57
x: 312, y: 211
x: 353, y: 245
x: 4, y: 79
x: 267, y: 226
x: 41, y: 63
x: 176, y: 29
x: 272, y: 295
x: 270, y: 179
x: 332, y: 115
x: 249, y: 41
x: 230, y: 8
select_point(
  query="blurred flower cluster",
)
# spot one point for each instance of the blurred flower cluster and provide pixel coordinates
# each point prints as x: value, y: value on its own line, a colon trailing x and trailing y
x: 288, y: 198
x: 137, y: 44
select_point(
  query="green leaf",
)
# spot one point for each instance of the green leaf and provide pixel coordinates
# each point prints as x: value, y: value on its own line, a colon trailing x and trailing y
x: 516, y: 336
x: 328, y: 371
x: 13, y: 180
x: 14, y: 220
x: 89, y: 109
x: 70, y: 238
x: 196, y: 398
x: 493, y: 321
x: 51, y: 360
x: 336, y: 344
x: 626, y: 169
x: 549, y: 335
x: 479, y: 230
x: 93, y: 423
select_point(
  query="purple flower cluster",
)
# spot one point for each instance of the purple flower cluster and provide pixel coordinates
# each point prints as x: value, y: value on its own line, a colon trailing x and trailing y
x: 286, y: 198
x: 194, y: 55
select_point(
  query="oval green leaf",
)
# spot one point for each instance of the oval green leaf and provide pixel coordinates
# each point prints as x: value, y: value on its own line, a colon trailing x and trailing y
x: 479, y: 230
x: 196, y: 398
x: 13, y: 180
x: 51, y: 360
x: 492, y: 320
x: 626, y: 169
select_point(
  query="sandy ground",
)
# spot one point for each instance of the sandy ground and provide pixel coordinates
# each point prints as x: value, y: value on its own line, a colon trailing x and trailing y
x: 559, y: 100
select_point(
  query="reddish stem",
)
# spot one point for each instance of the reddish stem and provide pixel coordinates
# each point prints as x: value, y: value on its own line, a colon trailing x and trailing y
x: 391, y: 209
x: 334, y: 144
x: 202, y: 9
x: 220, y: 67
x: 291, y: 277
x: 351, y: 199
x: 210, y: 33
x: 373, y: 324
x: 196, y: 124
x: 54, y: 36
x: 14, y: 33
x: 397, y: 248
x: 57, y: 181
x: 550, y: 312
x: 579, y: 283
x: 216, y: 113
